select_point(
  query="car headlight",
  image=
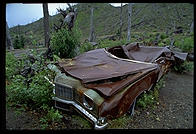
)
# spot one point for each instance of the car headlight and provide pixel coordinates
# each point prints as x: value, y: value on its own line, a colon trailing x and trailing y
x: 88, y: 103
x: 91, y: 101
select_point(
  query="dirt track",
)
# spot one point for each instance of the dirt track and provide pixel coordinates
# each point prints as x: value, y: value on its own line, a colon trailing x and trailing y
x: 175, y: 109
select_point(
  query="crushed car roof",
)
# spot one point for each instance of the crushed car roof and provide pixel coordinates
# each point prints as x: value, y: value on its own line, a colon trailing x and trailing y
x: 138, y: 52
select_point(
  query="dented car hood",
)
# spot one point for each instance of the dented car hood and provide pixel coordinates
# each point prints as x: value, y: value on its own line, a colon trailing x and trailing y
x: 109, y: 70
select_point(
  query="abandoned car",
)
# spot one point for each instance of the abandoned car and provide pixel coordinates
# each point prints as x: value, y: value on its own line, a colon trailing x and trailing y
x: 103, y: 84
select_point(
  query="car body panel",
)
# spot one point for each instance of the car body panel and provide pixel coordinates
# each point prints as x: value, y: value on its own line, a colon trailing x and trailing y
x: 104, y: 83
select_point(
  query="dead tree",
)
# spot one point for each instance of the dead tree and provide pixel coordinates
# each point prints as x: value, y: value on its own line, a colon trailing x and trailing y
x: 129, y: 22
x: 9, y: 44
x: 92, y: 33
x: 192, y: 27
x: 69, y: 18
x: 121, y: 22
x: 46, y: 24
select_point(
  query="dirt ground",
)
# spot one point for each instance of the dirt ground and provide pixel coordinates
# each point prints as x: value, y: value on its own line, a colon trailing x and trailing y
x: 174, y: 110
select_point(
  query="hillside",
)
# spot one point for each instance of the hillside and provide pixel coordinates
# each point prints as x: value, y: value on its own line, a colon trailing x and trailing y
x: 145, y: 17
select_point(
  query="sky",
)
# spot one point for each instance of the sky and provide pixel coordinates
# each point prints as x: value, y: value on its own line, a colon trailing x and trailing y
x: 22, y: 14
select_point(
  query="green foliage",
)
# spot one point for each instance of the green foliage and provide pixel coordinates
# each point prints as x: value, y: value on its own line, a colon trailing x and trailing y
x: 111, y: 43
x: 51, y: 117
x: 38, y: 93
x: 105, y: 17
x: 33, y: 90
x: 19, y: 42
x: 120, y: 122
x: 161, y: 44
x: 150, y: 98
x: 64, y: 43
x: 166, y: 41
x: 12, y: 65
x: 17, y: 91
x: 145, y: 100
x: 34, y: 42
x: 40, y: 90
x: 81, y: 120
x: 187, y: 45
x: 163, y: 36
x: 184, y: 67
x: 86, y: 47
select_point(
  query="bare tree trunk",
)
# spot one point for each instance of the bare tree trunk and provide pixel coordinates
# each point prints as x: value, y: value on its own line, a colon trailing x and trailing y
x: 46, y: 24
x: 9, y: 44
x: 129, y: 21
x: 92, y: 34
x: 192, y: 27
x: 120, y: 31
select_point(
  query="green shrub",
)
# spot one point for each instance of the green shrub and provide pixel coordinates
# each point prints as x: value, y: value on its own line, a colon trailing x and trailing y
x: 163, y: 36
x: 12, y: 65
x: 150, y: 98
x: 186, y: 44
x: 19, y: 42
x: 166, y: 41
x: 64, y: 43
x: 53, y: 115
x: 145, y: 100
x: 33, y: 90
x: 161, y: 44
x: 39, y: 92
x: 17, y: 91
x: 184, y: 67
x: 86, y: 47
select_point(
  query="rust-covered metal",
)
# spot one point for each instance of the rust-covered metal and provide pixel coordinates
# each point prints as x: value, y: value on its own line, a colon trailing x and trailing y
x: 105, y: 82
x: 97, y: 65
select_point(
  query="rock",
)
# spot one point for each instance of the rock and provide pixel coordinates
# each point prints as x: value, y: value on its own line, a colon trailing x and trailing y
x: 157, y: 119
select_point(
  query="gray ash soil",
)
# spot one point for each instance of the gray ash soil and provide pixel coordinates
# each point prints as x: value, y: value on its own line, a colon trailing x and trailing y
x: 174, y: 110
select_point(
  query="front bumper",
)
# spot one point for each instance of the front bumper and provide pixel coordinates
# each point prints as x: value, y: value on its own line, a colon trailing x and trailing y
x: 83, y: 111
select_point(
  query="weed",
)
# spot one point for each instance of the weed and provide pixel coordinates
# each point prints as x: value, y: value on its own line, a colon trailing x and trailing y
x: 81, y: 120
x: 150, y: 98
x: 50, y: 118
x: 186, y: 66
x: 120, y: 122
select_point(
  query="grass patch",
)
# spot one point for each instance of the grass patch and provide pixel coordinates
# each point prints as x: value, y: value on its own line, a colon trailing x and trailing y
x: 120, y: 122
x: 82, y: 121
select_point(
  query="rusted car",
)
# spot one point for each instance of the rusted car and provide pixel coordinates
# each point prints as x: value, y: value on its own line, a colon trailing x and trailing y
x: 103, y: 84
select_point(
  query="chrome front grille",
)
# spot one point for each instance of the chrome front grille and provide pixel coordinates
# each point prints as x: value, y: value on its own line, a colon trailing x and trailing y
x: 64, y: 91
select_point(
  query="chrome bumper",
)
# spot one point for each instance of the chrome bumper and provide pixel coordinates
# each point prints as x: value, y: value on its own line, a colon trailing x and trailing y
x: 82, y: 110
